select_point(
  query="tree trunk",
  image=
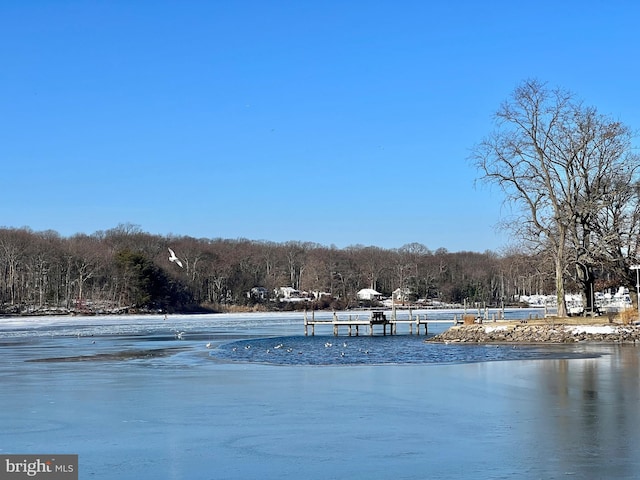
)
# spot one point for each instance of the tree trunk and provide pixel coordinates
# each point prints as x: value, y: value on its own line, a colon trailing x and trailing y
x: 559, y: 264
x: 587, y: 279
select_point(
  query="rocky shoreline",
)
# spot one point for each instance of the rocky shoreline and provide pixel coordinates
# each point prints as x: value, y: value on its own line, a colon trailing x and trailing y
x: 498, y: 332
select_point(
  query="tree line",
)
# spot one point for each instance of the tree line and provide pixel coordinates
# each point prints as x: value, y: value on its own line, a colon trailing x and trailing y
x: 125, y: 269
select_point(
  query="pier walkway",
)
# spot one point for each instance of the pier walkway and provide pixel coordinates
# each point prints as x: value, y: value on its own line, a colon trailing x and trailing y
x: 369, y: 320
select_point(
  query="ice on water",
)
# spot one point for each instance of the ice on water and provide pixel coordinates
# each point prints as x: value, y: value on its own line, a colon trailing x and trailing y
x: 135, y: 401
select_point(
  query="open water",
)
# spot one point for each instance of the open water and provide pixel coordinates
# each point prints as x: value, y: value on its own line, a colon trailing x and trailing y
x: 250, y: 397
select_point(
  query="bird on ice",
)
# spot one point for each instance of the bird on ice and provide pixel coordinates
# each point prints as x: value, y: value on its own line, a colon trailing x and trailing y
x: 173, y: 258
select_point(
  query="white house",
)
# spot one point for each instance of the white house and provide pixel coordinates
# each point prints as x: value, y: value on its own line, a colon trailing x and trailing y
x: 287, y: 292
x: 401, y: 294
x: 368, y: 294
x: 290, y: 294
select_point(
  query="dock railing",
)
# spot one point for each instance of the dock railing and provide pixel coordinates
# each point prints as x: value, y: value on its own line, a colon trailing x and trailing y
x: 353, y: 322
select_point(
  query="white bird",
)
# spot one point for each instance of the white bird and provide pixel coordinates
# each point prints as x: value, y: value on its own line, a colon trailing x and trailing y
x: 209, y: 345
x: 173, y: 258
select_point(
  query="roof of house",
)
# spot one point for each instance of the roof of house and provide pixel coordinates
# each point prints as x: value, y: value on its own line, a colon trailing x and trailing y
x: 368, y: 291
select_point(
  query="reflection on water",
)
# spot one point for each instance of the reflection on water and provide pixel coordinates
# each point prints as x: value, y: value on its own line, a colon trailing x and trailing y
x: 588, y: 410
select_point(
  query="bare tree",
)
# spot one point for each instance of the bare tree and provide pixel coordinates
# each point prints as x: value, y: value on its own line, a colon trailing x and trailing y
x: 604, y: 171
x: 617, y: 230
x: 85, y: 259
x: 372, y: 262
x: 554, y: 159
x: 296, y: 260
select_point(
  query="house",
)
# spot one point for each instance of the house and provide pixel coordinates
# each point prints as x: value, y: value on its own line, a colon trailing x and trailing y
x: 287, y: 292
x: 259, y: 293
x: 368, y: 294
x: 290, y: 294
x: 317, y: 295
x: 401, y: 295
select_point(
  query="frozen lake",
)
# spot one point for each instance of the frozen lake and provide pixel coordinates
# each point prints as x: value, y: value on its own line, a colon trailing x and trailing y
x: 145, y: 398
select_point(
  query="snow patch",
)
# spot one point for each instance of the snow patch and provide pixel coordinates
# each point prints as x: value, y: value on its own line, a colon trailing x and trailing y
x: 593, y: 329
x: 500, y: 328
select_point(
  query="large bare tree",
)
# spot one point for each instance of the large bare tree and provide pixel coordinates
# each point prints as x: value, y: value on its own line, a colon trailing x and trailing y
x: 556, y: 161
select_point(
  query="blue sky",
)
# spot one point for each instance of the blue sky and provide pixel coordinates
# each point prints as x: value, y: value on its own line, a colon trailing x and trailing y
x: 336, y: 122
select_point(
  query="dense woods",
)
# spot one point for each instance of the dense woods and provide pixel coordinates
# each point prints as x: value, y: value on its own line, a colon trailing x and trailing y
x: 125, y: 269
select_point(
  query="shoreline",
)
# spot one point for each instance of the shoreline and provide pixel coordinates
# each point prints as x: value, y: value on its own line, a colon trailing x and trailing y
x: 558, y: 332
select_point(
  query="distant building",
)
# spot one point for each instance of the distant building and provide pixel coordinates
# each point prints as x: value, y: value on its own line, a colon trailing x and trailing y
x: 258, y: 293
x: 401, y: 294
x: 287, y: 292
x: 318, y: 295
x: 290, y: 294
x: 368, y: 294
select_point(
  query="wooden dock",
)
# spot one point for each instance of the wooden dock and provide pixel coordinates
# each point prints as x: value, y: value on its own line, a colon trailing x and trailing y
x: 370, y: 320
